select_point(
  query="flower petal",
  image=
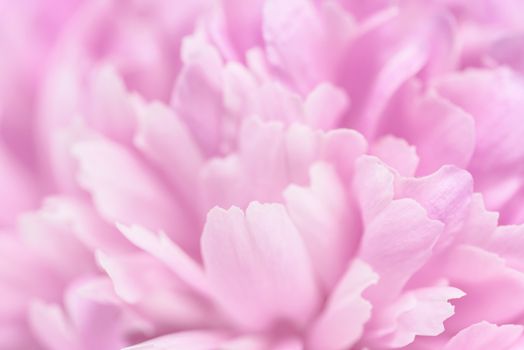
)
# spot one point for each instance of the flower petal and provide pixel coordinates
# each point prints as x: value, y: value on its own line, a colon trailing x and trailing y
x: 373, y: 185
x: 325, y: 106
x: 396, y: 243
x: 484, y: 335
x: 126, y: 191
x: 165, y: 140
x: 397, y: 154
x: 442, y: 132
x: 445, y: 194
x: 489, y: 283
x: 197, y: 96
x: 161, y: 247
x: 341, y: 323
x: 111, y: 110
x: 320, y: 212
x: 493, y: 98
x: 190, y: 340
x: 420, y: 312
x: 256, y: 261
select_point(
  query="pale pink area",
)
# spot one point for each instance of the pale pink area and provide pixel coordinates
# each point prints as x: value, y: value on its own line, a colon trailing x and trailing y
x: 261, y: 175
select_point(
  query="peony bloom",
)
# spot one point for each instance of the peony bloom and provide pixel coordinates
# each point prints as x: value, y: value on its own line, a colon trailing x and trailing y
x: 263, y: 174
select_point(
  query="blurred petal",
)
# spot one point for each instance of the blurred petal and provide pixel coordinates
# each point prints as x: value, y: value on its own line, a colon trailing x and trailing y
x: 485, y: 335
x: 397, y: 154
x: 192, y: 340
x: 165, y: 140
x: 325, y: 106
x: 197, y: 96
x: 125, y: 191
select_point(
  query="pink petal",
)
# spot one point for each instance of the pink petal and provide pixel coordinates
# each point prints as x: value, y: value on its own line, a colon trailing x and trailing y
x: 277, y: 102
x: 508, y: 243
x: 126, y: 191
x: 84, y: 223
x: 507, y: 51
x: 479, y: 225
x: 258, y: 161
x: 161, y: 247
x: 392, y: 49
x: 341, y: 148
x: 90, y: 319
x: 397, y: 154
x: 16, y: 335
x: 149, y: 287
x: 55, y: 243
x: 325, y: 106
x: 220, y: 174
x: 190, y: 340
x: 342, y: 322
x: 303, y: 146
x: 288, y: 344
x: 121, y: 269
x: 396, y: 243
x: 262, y: 342
x: 270, y: 156
x: 165, y: 140
x: 34, y: 276
x: 247, y: 342
x: 51, y: 327
x: 420, y: 312
x: 243, y: 20
x: 442, y: 132
x: 484, y: 335
x: 240, y: 91
x: 320, y: 213
x: 96, y: 321
x: 498, y: 128
x: 293, y: 34
x: 18, y: 191
x: 197, y: 96
x: 263, y: 166
x: 256, y: 261
x: 373, y: 185
x: 490, y: 286
x: 111, y: 110
x: 445, y: 195
x: 363, y: 9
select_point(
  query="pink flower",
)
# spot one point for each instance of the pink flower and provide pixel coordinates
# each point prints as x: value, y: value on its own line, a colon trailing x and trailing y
x: 269, y: 174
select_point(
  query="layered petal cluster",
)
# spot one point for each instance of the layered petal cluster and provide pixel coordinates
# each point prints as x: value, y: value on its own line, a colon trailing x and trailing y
x: 261, y: 175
